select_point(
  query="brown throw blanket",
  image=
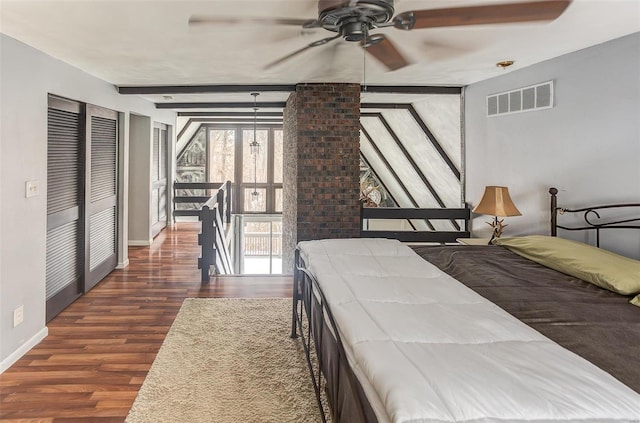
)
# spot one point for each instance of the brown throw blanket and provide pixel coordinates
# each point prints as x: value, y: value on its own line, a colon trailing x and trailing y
x: 597, y: 324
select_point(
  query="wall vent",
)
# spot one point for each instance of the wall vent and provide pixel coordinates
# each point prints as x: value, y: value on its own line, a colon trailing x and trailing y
x: 533, y: 97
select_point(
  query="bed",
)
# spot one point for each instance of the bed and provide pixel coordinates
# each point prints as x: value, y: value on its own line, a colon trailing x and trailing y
x: 462, y: 333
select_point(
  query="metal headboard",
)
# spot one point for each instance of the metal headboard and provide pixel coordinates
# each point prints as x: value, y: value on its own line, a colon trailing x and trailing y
x: 592, y: 217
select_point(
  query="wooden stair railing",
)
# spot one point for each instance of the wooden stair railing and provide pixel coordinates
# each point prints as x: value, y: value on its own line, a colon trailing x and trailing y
x: 215, y: 215
x: 212, y: 239
x: 181, y: 199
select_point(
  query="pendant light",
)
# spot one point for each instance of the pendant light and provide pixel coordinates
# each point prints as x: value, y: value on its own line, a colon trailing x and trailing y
x: 255, y: 145
x: 255, y: 150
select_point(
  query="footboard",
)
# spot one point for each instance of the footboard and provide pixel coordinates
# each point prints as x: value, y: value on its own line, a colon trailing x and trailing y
x: 326, y: 357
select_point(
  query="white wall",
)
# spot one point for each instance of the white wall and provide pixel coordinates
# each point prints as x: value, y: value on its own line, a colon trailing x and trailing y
x: 26, y: 77
x: 140, y: 146
x: 588, y: 145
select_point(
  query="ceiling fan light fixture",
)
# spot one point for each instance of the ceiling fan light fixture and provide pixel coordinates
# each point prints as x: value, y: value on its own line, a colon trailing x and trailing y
x: 505, y: 64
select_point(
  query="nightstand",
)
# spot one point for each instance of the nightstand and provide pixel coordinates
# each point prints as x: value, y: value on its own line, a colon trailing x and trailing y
x: 474, y: 241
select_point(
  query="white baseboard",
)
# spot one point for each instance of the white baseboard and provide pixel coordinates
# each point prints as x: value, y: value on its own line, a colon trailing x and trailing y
x: 24, y: 348
x: 123, y: 264
x: 140, y: 243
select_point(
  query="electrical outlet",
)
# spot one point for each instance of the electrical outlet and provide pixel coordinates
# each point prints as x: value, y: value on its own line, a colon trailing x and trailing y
x: 31, y: 188
x: 18, y: 316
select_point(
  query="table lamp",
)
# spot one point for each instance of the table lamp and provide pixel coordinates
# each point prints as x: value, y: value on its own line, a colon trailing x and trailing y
x: 497, y: 202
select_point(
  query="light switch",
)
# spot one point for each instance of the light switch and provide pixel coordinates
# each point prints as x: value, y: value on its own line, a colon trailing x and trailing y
x: 32, y: 188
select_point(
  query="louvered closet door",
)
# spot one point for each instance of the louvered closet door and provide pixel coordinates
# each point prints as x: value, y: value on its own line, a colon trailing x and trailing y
x: 65, y: 224
x: 102, y: 194
x: 159, y: 179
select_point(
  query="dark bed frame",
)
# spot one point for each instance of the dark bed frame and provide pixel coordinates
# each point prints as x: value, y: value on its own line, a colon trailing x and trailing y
x: 335, y: 383
x: 592, y: 218
x: 325, y: 353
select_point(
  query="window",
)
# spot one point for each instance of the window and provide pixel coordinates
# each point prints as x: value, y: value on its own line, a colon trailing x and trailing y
x: 191, y: 164
x: 220, y: 153
x: 278, y: 157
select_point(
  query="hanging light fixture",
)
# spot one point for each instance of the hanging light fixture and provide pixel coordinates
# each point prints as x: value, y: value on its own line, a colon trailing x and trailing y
x: 255, y: 150
x: 255, y: 145
x: 366, y: 42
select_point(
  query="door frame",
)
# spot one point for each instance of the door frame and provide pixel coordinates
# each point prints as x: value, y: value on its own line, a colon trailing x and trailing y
x: 163, y: 145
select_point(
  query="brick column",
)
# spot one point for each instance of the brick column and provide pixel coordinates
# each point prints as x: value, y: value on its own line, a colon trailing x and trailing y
x: 321, y: 165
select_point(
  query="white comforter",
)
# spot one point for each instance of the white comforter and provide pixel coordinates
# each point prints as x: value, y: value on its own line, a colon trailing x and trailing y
x: 428, y: 349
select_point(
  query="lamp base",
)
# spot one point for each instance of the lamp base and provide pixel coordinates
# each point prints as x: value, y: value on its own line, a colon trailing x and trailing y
x: 497, y: 226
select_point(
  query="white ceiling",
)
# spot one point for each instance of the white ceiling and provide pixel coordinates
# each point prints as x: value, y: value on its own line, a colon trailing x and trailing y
x: 149, y: 42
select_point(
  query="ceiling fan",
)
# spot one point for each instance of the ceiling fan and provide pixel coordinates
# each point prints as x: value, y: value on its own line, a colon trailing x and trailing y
x: 353, y: 20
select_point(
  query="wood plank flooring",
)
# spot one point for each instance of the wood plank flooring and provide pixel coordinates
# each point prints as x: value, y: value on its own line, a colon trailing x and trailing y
x: 99, y: 350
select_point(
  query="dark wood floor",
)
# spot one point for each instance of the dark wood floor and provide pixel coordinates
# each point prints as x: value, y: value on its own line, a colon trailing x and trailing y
x: 99, y: 349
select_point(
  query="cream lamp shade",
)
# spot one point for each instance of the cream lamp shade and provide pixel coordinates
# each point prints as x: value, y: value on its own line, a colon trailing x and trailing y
x: 496, y: 201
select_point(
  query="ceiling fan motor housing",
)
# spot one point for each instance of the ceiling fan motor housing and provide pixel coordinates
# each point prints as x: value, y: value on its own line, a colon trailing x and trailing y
x: 353, y: 19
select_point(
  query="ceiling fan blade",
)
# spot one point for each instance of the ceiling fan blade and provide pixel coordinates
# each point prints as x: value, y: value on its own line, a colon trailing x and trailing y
x: 480, y: 15
x: 385, y: 51
x: 295, y: 53
x: 212, y: 20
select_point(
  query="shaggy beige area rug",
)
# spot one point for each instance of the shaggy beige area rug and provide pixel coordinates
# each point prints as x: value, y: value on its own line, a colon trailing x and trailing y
x: 228, y: 360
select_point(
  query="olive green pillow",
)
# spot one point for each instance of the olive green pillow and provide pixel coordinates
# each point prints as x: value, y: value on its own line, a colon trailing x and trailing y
x: 600, y: 267
x: 635, y: 300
